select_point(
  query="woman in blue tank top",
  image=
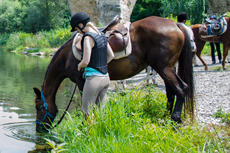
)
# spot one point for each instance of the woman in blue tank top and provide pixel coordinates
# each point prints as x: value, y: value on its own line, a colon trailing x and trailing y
x: 96, y: 54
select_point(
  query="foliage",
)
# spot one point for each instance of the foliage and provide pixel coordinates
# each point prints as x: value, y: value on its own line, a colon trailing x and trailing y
x: 46, y: 15
x: 227, y: 14
x: 207, y: 49
x: 43, y: 39
x: 33, y: 16
x: 194, y: 8
x: 134, y: 122
x: 188, y: 23
x: 56, y: 148
x: 164, y: 8
x: 225, y: 117
x: 145, y: 8
x: 11, y: 14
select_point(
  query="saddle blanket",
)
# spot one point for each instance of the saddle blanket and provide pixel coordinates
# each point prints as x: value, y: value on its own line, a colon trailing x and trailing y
x: 76, y: 46
x: 210, y: 33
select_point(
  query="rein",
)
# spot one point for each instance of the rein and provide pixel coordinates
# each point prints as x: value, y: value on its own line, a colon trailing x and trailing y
x: 47, y: 112
x: 67, y: 106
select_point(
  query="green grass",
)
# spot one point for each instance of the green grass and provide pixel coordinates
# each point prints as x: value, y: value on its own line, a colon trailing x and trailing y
x: 218, y: 68
x: 207, y: 49
x: 225, y: 117
x: 134, y: 122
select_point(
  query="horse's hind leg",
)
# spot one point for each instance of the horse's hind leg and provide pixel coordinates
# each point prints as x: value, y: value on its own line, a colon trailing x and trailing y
x: 171, y: 97
x: 228, y: 59
x: 200, y: 46
x: 194, y: 61
x: 174, y: 86
x: 225, y: 53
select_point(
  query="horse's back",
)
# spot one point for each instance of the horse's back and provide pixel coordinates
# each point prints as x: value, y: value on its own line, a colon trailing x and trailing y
x: 158, y: 35
x: 155, y: 24
x: 158, y: 30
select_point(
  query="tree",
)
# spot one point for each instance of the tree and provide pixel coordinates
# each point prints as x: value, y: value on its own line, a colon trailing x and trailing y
x: 194, y: 8
x: 11, y: 14
x: 33, y: 15
x: 145, y: 8
x: 46, y: 15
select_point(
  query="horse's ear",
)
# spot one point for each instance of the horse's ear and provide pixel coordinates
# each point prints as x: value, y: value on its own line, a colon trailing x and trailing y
x: 37, y: 92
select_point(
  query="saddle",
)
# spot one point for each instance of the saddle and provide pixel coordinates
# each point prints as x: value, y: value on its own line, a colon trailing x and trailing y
x: 213, y: 28
x: 117, y: 35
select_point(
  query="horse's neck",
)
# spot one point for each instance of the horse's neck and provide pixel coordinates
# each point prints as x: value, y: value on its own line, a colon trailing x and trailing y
x: 53, y: 79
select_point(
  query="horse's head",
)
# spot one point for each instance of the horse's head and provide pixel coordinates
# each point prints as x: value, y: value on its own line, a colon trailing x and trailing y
x: 45, y: 115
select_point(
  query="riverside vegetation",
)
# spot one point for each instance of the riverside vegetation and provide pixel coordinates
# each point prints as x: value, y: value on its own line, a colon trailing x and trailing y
x: 43, y: 41
x: 135, y: 121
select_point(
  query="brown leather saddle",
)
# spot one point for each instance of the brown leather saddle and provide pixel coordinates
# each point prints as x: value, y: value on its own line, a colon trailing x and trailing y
x: 117, y: 35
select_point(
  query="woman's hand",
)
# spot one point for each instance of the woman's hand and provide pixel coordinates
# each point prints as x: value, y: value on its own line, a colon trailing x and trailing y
x: 79, y: 68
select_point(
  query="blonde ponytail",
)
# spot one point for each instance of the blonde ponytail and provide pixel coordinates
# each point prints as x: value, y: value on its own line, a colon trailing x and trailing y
x: 93, y: 27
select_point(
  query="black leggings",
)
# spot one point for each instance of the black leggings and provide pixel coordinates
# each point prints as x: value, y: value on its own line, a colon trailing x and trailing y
x: 213, y: 51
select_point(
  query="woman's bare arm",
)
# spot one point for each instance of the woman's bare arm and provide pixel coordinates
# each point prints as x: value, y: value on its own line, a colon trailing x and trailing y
x: 110, y: 54
x: 88, y: 45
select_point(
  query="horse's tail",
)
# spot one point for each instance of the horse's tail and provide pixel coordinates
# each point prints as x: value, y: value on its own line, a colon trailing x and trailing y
x: 185, y: 71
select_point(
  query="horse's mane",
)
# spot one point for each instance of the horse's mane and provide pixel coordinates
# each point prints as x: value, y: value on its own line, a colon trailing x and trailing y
x: 56, y: 55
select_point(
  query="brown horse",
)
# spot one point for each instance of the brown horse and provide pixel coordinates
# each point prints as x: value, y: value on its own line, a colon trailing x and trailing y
x: 156, y: 41
x: 200, y: 42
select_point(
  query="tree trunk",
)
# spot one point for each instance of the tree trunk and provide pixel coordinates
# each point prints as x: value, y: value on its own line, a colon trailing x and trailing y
x: 220, y: 7
x: 103, y: 11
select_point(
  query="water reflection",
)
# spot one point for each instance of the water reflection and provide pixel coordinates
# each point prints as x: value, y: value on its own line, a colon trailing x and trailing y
x: 18, y: 75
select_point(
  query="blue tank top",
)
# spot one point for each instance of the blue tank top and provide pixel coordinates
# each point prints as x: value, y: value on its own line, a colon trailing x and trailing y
x: 89, y: 71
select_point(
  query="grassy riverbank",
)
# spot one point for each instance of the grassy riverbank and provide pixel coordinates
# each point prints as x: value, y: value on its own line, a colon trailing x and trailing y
x: 43, y: 41
x: 134, y: 121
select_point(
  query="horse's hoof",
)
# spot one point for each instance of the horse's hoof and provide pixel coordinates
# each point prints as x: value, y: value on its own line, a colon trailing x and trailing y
x: 176, y: 118
x: 206, y: 68
x: 224, y: 68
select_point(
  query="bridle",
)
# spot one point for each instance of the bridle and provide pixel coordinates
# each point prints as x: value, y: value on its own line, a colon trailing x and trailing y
x: 47, y: 111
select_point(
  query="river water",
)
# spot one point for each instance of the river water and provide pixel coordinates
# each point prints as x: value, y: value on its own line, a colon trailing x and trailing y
x: 18, y: 75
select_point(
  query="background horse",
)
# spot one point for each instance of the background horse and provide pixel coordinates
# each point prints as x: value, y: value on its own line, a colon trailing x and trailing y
x: 156, y: 41
x: 200, y: 42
